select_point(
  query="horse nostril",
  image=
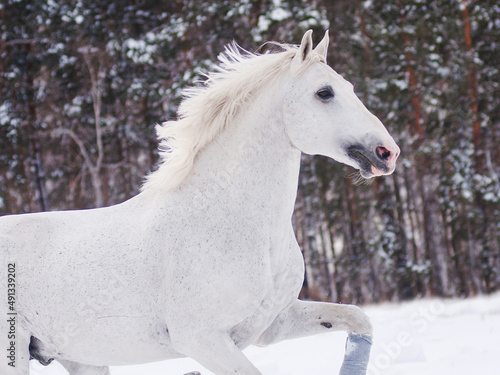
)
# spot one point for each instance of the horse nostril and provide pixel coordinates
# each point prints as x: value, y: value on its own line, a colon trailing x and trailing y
x: 383, y: 153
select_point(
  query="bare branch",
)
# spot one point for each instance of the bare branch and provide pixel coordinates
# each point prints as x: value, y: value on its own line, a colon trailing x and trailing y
x: 21, y: 41
x: 81, y: 146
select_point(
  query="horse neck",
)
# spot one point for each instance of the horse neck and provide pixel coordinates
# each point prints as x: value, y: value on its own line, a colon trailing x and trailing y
x: 252, y: 162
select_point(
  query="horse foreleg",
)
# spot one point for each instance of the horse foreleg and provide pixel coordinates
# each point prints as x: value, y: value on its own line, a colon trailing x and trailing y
x: 75, y: 368
x: 310, y: 318
x: 217, y: 353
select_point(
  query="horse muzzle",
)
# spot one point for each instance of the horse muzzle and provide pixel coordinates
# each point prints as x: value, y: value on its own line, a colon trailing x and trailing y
x: 376, y: 161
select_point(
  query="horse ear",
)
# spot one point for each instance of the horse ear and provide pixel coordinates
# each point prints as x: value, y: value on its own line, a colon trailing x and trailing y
x: 304, y: 49
x: 322, y: 47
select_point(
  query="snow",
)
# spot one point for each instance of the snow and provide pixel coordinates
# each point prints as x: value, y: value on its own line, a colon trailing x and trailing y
x: 4, y: 113
x: 139, y: 51
x: 430, y: 336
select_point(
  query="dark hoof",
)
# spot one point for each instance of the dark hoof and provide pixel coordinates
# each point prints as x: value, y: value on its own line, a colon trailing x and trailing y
x: 36, y: 352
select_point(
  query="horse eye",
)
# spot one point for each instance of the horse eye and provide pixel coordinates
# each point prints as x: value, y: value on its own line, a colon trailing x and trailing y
x: 325, y: 93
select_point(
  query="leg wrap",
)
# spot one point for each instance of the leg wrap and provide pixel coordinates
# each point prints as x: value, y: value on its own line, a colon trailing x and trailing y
x: 357, y: 354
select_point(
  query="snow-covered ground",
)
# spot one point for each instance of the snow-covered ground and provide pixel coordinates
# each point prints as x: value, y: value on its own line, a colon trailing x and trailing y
x: 431, y: 337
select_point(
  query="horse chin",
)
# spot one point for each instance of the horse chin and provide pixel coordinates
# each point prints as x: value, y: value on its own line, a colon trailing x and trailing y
x: 366, y: 174
x: 373, y: 171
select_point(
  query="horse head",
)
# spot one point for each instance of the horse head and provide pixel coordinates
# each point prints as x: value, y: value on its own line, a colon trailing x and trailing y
x: 324, y: 116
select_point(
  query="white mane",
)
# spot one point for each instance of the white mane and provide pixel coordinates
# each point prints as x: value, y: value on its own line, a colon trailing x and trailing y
x: 207, y: 110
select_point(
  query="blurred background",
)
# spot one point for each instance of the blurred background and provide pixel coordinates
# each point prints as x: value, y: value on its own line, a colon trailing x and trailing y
x: 83, y: 83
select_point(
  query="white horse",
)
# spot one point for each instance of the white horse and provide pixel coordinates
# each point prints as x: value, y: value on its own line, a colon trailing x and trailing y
x: 204, y: 261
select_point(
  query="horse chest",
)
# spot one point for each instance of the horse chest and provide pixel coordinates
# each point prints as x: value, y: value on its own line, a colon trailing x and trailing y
x: 277, y: 293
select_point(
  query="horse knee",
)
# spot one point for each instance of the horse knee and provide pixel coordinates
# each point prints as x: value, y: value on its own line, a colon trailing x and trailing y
x: 358, y: 321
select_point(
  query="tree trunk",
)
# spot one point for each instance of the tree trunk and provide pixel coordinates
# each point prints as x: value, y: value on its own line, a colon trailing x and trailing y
x: 417, y: 127
x: 39, y: 175
x: 96, y: 79
x: 473, y: 88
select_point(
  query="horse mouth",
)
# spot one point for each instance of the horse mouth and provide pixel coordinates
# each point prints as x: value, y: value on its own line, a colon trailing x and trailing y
x: 369, y: 165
